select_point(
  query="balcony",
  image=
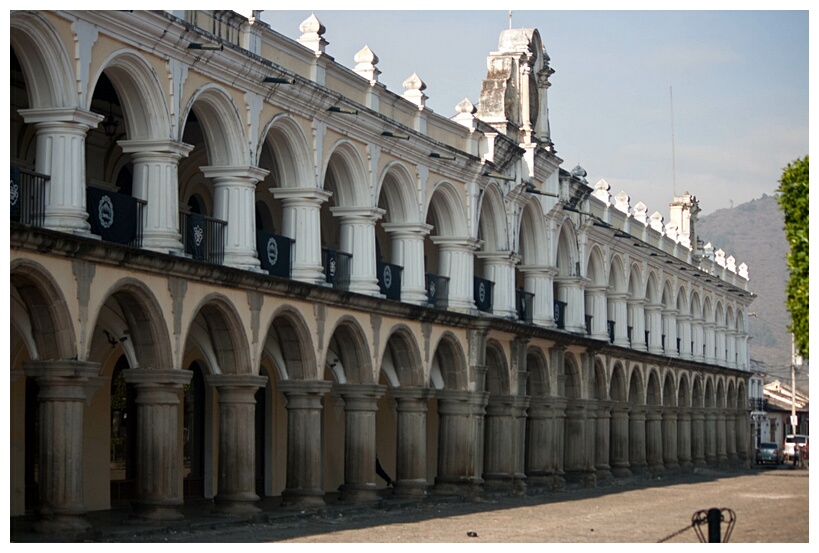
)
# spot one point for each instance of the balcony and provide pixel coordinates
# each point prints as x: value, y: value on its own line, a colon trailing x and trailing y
x: 28, y: 196
x: 389, y: 280
x: 337, y: 268
x: 437, y: 290
x: 115, y: 217
x: 203, y: 237
x: 610, y: 328
x: 524, y: 301
x: 482, y: 294
x: 275, y: 253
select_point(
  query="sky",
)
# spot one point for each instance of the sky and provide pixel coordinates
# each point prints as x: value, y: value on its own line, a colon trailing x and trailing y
x: 657, y: 103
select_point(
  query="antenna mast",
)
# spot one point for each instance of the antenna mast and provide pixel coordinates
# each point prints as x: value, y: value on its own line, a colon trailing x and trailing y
x: 510, y: 19
x: 673, y: 160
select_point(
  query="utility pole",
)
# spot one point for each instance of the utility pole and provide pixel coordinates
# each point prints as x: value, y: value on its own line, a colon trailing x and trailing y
x: 795, y: 360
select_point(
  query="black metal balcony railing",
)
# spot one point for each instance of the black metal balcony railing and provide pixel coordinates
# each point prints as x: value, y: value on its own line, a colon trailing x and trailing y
x: 275, y: 253
x: 203, y: 236
x: 678, y: 344
x: 389, y: 280
x: 524, y: 302
x: 337, y: 268
x: 610, y: 328
x: 662, y: 341
x: 757, y: 404
x: 647, y: 333
x: 28, y: 200
x: 588, y: 324
x: 437, y: 290
x: 115, y: 217
x: 482, y: 294
x: 628, y: 333
x: 560, y: 314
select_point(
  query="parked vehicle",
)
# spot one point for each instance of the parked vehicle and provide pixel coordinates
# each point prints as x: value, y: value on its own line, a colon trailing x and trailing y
x: 769, y: 452
x: 791, y: 440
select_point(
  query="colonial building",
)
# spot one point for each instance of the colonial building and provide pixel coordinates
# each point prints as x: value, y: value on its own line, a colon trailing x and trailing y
x: 241, y: 269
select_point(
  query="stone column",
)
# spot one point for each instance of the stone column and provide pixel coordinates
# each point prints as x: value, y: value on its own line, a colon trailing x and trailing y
x: 64, y: 386
x: 411, y: 459
x: 731, y: 349
x: 455, y: 261
x: 684, y: 335
x: 722, y: 452
x: 539, y: 435
x: 670, y: 332
x: 159, y: 463
x: 619, y: 309
x: 234, y: 201
x: 684, y: 435
x: 654, y: 323
x: 709, y: 335
x: 620, y: 439
x: 408, y: 251
x: 743, y: 425
x: 710, y: 425
x: 60, y: 139
x: 698, y: 441
x: 719, y: 345
x: 156, y: 180
x: 570, y: 290
x: 731, y: 437
x: 237, y: 440
x: 504, y: 420
x: 357, y: 237
x: 654, y: 439
x: 574, y: 456
x: 698, y: 338
x: 671, y: 459
x: 499, y: 267
x: 602, y: 440
x: 599, y: 312
x: 360, y: 407
x: 303, y: 488
x: 460, y: 436
x: 638, y: 330
x: 538, y: 281
x: 301, y: 222
x: 637, y: 439
x: 558, y: 443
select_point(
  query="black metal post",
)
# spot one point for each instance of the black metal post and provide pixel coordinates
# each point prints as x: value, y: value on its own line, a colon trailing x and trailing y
x: 714, y: 520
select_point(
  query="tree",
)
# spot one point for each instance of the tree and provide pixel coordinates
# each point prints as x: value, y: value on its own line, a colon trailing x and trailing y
x: 793, y: 199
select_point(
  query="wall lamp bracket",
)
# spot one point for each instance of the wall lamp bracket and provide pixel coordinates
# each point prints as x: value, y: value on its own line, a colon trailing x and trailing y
x: 279, y: 80
x: 496, y: 175
x: 346, y: 111
x: 200, y: 46
x: 448, y: 157
x: 621, y: 234
x: 398, y: 135
x: 530, y: 188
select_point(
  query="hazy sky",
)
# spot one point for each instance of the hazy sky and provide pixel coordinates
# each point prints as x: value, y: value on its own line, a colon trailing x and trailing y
x: 738, y: 79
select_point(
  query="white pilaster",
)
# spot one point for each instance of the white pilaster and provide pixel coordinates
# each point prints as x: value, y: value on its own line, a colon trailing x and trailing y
x: 408, y: 252
x: 301, y: 221
x: 619, y: 310
x: 538, y: 281
x: 684, y: 334
x: 61, y: 155
x: 599, y: 312
x: 638, y: 335
x: 156, y: 181
x: 570, y: 290
x: 234, y: 190
x: 357, y: 229
x: 654, y: 323
x: 455, y: 261
x: 669, y: 325
x: 499, y: 267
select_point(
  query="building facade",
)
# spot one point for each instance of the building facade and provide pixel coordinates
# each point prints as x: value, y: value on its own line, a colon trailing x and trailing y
x: 241, y: 269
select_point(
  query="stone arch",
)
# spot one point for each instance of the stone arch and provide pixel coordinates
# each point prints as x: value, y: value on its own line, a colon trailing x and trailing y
x: 707, y: 311
x: 636, y: 393
x: 636, y: 287
x: 533, y: 242
x: 497, y: 371
x: 348, y: 354
x: 47, y: 328
x: 221, y: 124
x: 652, y: 288
x: 668, y: 299
x: 288, y: 343
x: 448, y: 369
x: 567, y: 259
x: 446, y: 211
x: 396, y: 195
x: 290, y: 155
x: 539, y: 382
x: 684, y: 394
x: 618, y: 388
x: 599, y: 388
x: 492, y: 227
x: 145, y: 111
x: 216, y: 330
x: 653, y: 392
x: 617, y: 275
x: 346, y: 176
x: 573, y: 382
x: 682, y: 301
x: 696, y: 306
x: 731, y: 396
x: 709, y: 398
x: 721, y: 393
x: 697, y: 392
x: 401, y: 358
x: 130, y: 312
x: 719, y: 314
x: 669, y: 398
x: 595, y: 266
x: 44, y: 59
x: 741, y: 395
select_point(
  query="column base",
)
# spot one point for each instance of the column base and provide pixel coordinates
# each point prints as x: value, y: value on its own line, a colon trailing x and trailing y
x: 303, y: 499
x: 237, y: 504
x: 604, y: 472
x: 157, y: 511
x: 410, y: 488
x: 504, y: 483
x: 360, y: 495
x: 61, y: 523
x: 686, y: 466
x: 536, y: 481
x: 700, y: 463
x: 621, y: 471
x: 470, y: 488
x: 673, y: 467
x: 639, y: 469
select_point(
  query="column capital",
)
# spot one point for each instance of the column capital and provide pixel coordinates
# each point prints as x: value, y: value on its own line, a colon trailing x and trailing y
x: 538, y: 270
x: 306, y: 195
x: 61, y: 369
x: 365, y: 392
x: 364, y: 214
x: 159, y: 377
x: 465, y: 243
x: 171, y: 148
x: 77, y: 116
x: 419, y: 230
x: 412, y: 393
x: 304, y: 387
x: 249, y: 172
